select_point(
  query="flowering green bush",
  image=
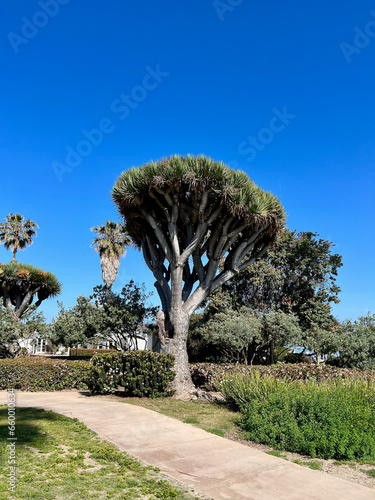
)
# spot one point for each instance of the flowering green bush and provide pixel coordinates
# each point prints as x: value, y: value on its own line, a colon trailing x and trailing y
x: 43, y: 374
x: 333, y: 418
x: 205, y: 374
x: 105, y: 373
x: 140, y: 373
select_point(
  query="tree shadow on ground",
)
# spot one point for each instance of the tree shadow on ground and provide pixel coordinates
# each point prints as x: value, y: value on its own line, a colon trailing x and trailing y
x: 27, y: 431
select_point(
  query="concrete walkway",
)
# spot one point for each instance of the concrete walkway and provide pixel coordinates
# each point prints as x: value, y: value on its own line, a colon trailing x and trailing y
x: 213, y: 466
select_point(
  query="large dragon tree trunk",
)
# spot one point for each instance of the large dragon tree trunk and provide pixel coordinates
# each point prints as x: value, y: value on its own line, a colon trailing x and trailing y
x: 173, y: 333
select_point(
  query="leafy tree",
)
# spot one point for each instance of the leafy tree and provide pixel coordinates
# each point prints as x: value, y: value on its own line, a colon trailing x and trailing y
x: 111, y: 242
x: 17, y: 233
x: 355, y: 343
x: 117, y: 318
x: 279, y: 329
x: 13, y: 331
x: 243, y: 335
x: 187, y: 214
x: 230, y: 333
x: 296, y: 276
x: 77, y: 325
x: 23, y: 287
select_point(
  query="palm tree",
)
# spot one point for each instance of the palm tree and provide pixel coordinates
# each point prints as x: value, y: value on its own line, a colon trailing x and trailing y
x: 17, y: 233
x: 111, y: 244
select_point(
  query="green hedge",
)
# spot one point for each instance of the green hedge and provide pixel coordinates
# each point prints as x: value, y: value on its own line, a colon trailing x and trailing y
x: 88, y: 353
x: 140, y: 373
x: 43, y: 374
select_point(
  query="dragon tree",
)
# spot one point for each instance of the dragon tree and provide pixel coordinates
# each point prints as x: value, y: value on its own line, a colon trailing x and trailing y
x: 188, y: 215
x: 23, y: 287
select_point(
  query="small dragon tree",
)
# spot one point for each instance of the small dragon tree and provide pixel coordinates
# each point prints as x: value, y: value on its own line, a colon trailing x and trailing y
x: 23, y: 287
x: 188, y: 214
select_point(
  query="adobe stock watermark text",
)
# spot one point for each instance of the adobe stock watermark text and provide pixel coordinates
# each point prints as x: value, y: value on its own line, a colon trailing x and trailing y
x: 121, y: 107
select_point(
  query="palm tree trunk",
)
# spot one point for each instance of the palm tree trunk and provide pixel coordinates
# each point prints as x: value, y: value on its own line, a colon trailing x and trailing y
x: 110, y: 266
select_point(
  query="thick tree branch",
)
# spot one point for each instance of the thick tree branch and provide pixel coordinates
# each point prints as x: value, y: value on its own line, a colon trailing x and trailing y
x: 159, y: 235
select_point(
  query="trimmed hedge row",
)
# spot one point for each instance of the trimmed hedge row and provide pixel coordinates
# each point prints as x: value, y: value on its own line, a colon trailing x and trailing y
x: 80, y: 352
x: 43, y: 374
x: 205, y: 374
x: 140, y: 373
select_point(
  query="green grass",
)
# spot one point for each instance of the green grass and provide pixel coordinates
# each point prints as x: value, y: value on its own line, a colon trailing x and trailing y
x: 58, y: 457
x: 209, y: 417
x: 350, y: 463
x: 276, y: 453
x: 313, y: 464
x: 217, y: 432
x: 370, y: 472
x: 190, y: 420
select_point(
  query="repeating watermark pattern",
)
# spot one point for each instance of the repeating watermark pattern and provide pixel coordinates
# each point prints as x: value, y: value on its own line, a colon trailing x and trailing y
x: 11, y: 446
x: 121, y: 107
x: 30, y: 27
x: 222, y: 7
x: 256, y: 143
x: 361, y: 40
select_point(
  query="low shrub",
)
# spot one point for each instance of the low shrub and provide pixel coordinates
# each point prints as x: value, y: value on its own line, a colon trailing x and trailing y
x: 140, y: 373
x: 43, y: 374
x: 204, y: 375
x: 105, y: 373
x: 328, y: 419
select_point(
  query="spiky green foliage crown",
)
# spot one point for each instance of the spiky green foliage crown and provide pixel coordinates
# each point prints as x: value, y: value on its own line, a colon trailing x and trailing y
x: 188, y: 177
x: 16, y: 273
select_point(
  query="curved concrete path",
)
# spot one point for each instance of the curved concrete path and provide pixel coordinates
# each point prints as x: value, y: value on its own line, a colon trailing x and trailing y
x: 213, y: 466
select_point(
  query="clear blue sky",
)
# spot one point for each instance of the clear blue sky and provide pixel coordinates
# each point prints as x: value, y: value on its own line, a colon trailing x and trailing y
x: 204, y: 77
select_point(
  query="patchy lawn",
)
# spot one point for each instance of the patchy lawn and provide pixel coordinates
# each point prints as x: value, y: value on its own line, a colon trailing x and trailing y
x: 58, y: 458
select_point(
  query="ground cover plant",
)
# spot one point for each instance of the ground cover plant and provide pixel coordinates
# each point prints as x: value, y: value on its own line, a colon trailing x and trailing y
x: 59, y: 457
x: 326, y: 419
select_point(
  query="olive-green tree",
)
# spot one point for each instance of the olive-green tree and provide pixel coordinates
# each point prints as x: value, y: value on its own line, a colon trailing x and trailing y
x: 355, y: 343
x: 297, y: 275
x: 14, y: 331
x: 188, y: 214
x: 120, y: 319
